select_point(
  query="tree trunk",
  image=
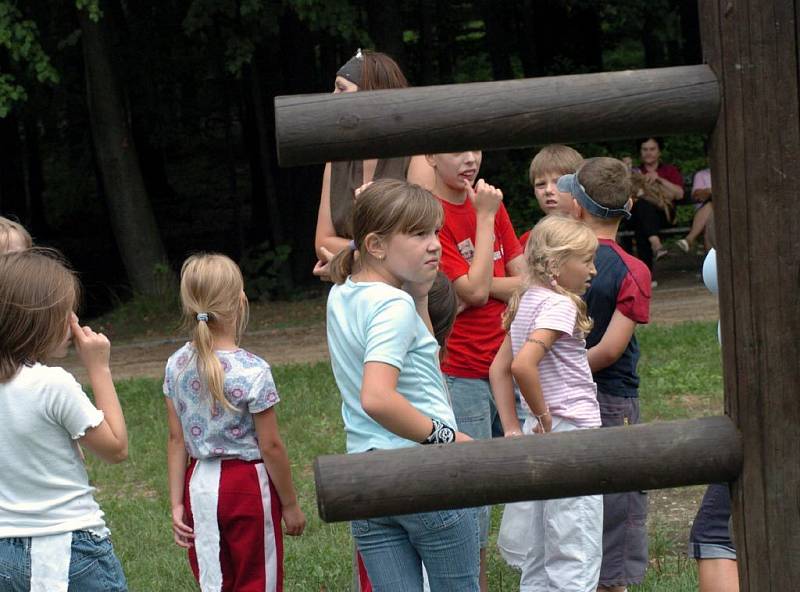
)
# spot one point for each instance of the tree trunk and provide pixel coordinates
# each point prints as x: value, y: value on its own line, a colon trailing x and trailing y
x: 132, y: 217
x: 427, y: 42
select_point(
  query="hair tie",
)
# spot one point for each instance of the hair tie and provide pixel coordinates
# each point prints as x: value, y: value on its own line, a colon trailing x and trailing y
x: 202, y: 316
x: 553, y: 282
x: 352, y: 245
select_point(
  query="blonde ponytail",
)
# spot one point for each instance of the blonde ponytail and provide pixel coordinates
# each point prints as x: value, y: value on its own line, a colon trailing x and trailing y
x: 212, y: 294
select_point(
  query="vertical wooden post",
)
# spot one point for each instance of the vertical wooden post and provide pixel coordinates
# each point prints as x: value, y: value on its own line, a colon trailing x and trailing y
x: 755, y: 163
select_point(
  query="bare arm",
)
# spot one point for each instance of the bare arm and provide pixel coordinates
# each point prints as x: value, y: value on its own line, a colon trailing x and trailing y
x: 326, y: 234
x: 675, y: 191
x: 381, y: 401
x: 505, y: 287
x: 176, y: 474
x: 613, y: 343
x: 525, y: 369
x: 109, y: 440
x: 273, y: 452
x: 502, y: 383
x: 474, y: 287
x: 421, y: 173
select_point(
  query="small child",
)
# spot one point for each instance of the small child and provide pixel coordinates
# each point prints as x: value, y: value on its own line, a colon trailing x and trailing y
x: 385, y: 363
x: 13, y: 236
x: 618, y: 300
x: 547, y: 323
x: 228, y: 501
x: 547, y: 166
x: 52, y: 532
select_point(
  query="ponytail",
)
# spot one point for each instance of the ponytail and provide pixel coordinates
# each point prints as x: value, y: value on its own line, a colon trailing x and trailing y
x: 341, y: 265
x: 208, y: 365
x: 212, y: 292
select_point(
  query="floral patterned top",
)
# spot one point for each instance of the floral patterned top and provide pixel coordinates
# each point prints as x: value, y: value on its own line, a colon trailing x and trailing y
x: 211, y: 429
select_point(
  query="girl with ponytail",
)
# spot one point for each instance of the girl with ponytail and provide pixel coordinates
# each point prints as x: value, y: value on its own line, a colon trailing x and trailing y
x: 385, y: 362
x: 229, y: 477
x: 545, y: 352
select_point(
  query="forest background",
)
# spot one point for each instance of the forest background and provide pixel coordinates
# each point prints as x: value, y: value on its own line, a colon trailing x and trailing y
x: 133, y: 133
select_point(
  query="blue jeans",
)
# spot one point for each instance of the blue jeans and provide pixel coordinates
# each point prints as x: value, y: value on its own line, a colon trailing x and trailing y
x: 473, y: 406
x: 93, y: 566
x: 394, y: 547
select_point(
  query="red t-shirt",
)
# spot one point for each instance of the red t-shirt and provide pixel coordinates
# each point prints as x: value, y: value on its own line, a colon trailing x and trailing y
x: 477, y: 333
x: 667, y: 171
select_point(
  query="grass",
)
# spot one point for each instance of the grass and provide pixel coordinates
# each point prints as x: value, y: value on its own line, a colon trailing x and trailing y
x: 681, y: 377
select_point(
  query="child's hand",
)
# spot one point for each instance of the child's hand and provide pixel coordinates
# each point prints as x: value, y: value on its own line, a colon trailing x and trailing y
x: 294, y: 519
x: 486, y: 198
x: 322, y: 268
x: 182, y: 533
x: 94, y: 349
x: 512, y: 434
x: 545, y: 424
x: 462, y: 437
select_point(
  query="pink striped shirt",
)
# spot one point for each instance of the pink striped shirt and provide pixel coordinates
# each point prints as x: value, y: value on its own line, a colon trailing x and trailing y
x: 564, y: 373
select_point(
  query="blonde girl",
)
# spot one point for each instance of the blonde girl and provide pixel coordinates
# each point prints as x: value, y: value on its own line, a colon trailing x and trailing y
x: 49, y: 519
x: 229, y: 477
x: 13, y: 236
x: 545, y: 352
x: 385, y: 361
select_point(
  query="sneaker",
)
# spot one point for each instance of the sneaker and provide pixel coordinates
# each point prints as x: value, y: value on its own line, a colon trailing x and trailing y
x: 662, y: 252
x: 683, y: 245
x: 654, y: 284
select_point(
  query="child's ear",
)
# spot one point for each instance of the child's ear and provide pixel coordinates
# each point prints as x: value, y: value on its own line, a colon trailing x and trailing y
x: 629, y: 204
x: 375, y: 246
x: 575, y: 210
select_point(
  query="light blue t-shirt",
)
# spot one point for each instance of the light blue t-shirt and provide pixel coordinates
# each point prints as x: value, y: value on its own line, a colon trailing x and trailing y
x: 210, y: 429
x: 375, y: 322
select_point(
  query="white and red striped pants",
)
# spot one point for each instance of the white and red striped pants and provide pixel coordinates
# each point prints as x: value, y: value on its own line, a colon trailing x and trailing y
x: 236, y: 516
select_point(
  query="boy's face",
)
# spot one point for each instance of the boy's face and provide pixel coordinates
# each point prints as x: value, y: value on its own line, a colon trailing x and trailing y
x: 456, y: 169
x: 550, y: 199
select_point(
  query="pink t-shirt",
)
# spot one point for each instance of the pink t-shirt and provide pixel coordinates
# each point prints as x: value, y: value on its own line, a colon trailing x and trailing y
x: 702, y: 180
x: 564, y: 373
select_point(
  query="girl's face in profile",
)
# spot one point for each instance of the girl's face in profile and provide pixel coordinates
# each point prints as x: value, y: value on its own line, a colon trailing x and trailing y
x: 343, y: 85
x: 413, y: 257
x: 576, y: 273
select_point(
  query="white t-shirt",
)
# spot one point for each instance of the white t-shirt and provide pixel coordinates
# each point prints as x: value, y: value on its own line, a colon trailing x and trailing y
x: 44, y: 488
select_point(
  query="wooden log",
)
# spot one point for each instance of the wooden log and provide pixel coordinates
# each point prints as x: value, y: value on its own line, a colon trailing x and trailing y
x: 646, y: 456
x: 755, y: 150
x: 489, y: 115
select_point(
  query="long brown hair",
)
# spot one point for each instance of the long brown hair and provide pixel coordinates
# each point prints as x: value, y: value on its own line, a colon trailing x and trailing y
x: 552, y: 241
x: 37, y: 293
x: 212, y: 284
x: 384, y: 208
x: 381, y: 72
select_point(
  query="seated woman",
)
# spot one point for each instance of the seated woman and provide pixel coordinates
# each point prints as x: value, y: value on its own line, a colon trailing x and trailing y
x: 367, y: 70
x: 647, y: 218
x: 703, y: 221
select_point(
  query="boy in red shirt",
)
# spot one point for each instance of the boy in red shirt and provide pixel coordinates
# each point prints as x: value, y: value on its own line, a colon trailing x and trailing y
x: 480, y: 253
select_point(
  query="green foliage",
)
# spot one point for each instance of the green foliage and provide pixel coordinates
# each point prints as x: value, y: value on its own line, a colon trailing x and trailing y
x: 264, y: 269
x: 20, y: 38
x: 338, y: 18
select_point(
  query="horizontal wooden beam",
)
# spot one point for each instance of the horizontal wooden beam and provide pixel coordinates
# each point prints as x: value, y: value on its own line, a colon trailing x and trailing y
x: 492, y: 115
x: 607, y: 460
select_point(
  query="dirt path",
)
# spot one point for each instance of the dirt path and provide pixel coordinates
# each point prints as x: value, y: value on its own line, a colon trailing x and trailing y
x: 308, y: 343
